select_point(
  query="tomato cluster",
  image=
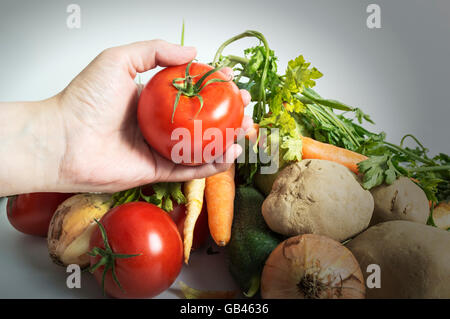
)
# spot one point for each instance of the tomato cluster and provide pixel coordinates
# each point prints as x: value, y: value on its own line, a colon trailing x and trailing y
x: 136, y: 228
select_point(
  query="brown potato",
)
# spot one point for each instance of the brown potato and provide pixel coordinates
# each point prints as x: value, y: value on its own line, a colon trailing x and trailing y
x: 402, y: 200
x: 318, y: 197
x: 414, y: 259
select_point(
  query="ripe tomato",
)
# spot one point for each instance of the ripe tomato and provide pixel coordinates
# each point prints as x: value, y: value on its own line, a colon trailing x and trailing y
x: 222, y: 108
x: 31, y: 213
x: 201, y: 230
x: 145, y: 229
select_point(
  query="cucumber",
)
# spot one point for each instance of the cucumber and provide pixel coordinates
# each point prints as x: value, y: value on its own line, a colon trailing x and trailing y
x: 251, y: 240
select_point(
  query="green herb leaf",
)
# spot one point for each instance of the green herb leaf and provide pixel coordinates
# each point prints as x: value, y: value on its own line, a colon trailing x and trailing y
x: 163, y: 196
x: 377, y: 170
x: 360, y: 115
x: 299, y: 75
x: 176, y: 193
x: 292, y: 148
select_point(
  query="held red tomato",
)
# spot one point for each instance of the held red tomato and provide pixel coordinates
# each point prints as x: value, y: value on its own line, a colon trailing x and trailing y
x: 144, y: 229
x: 222, y: 108
x: 31, y: 213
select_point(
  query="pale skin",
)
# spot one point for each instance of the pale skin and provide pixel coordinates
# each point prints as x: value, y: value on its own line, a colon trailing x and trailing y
x: 86, y: 138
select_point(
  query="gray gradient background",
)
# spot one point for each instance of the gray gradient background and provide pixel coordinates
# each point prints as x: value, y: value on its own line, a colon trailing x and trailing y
x: 399, y: 74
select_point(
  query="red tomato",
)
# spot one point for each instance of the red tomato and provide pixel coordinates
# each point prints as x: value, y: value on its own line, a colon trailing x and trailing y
x: 31, y: 213
x: 201, y: 230
x: 145, y: 229
x: 223, y: 108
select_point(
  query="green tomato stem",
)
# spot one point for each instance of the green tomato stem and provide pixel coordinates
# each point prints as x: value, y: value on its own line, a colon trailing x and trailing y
x: 108, y: 258
x: 189, y: 89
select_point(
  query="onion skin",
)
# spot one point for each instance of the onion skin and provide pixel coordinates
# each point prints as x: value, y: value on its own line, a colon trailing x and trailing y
x: 312, y: 267
x: 71, y: 226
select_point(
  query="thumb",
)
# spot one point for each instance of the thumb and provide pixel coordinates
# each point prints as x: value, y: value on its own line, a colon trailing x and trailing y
x: 146, y: 55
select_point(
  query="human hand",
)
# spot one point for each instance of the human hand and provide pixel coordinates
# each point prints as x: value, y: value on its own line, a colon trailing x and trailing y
x: 104, y: 148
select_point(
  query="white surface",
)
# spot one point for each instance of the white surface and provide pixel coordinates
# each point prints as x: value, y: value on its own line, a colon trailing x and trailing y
x: 28, y: 272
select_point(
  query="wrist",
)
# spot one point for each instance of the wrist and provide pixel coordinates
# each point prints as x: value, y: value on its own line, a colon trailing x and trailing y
x: 51, y: 149
x: 34, y: 146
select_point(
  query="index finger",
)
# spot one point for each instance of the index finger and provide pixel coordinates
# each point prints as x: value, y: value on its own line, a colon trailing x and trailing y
x: 146, y: 55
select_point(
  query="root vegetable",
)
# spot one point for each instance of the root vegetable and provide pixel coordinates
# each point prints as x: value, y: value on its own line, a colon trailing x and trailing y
x: 312, y: 267
x: 72, y: 225
x: 441, y: 215
x: 318, y: 197
x: 194, y: 191
x: 219, y: 195
x: 414, y: 259
x: 402, y: 200
x: 313, y: 149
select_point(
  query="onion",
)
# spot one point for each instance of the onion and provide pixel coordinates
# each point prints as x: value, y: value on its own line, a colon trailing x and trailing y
x: 312, y: 267
x: 72, y: 225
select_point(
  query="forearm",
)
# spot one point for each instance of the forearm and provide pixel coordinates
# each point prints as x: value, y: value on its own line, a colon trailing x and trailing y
x: 32, y: 144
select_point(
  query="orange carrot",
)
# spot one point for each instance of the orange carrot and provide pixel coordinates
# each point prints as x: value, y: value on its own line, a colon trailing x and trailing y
x: 219, y: 194
x: 313, y: 149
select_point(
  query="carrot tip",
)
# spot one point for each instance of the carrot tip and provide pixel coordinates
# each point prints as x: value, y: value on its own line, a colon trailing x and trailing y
x: 222, y: 243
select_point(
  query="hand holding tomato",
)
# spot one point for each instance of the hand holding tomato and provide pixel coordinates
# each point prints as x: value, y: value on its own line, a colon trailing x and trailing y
x: 105, y: 150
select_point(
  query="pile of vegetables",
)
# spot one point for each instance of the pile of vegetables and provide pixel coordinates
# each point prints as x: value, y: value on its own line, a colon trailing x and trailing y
x: 288, y: 102
x: 342, y: 197
x: 335, y: 179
